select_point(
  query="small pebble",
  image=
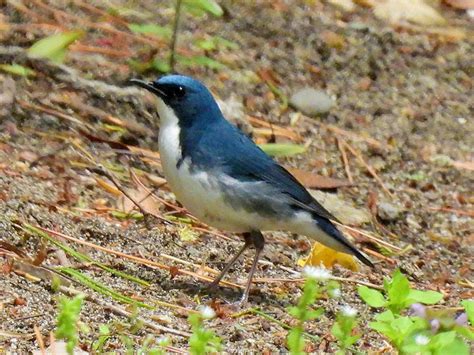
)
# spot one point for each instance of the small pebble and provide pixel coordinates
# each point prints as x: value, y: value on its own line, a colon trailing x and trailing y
x: 312, y: 102
x: 388, y: 211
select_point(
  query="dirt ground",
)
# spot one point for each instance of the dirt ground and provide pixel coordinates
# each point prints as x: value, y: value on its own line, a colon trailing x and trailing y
x: 403, y: 102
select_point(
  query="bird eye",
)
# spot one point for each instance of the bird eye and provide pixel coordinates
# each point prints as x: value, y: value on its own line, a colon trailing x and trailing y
x: 179, y: 92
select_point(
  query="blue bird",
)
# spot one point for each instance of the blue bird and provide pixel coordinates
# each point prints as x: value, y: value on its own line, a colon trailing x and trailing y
x: 223, y: 178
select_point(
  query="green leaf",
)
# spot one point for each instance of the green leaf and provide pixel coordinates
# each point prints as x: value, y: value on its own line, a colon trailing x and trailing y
x: 465, y: 332
x: 282, y: 149
x: 209, y: 6
x: 386, y: 316
x: 443, y: 339
x: 295, y: 341
x: 372, y: 297
x: 150, y: 29
x: 216, y: 42
x: 127, y: 215
x: 469, y: 307
x: 187, y: 234
x: 54, y: 47
x: 384, y: 328
x: 200, y: 60
x: 425, y: 297
x: 398, y: 290
x: 17, y: 69
x: 206, y: 44
x: 457, y: 346
x: 100, y: 288
x: 337, y: 331
x: 313, y: 314
x: 163, y: 66
x: 68, y: 316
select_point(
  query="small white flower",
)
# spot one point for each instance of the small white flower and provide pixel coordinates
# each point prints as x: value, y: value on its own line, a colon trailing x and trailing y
x: 421, y: 339
x: 317, y: 273
x: 207, y: 312
x: 348, y: 311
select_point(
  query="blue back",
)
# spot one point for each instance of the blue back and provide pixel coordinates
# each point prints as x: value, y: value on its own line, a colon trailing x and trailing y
x: 212, y: 143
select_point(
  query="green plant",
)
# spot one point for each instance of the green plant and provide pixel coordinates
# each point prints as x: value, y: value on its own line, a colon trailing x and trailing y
x: 399, y: 295
x: 397, y: 328
x: 439, y: 344
x: 66, y: 324
x: 202, y: 340
x: 303, y: 311
x: 424, y: 331
x: 343, y: 329
x: 54, y: 47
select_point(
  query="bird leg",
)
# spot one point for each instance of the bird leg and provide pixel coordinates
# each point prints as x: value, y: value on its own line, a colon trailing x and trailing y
x: 258, y: 241
x: 248, y: 242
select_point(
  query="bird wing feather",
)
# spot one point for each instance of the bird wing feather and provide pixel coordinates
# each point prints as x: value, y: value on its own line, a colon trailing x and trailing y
x: 242, y: 159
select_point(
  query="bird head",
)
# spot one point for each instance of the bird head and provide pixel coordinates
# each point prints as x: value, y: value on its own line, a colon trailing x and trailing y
x: 188, y: 98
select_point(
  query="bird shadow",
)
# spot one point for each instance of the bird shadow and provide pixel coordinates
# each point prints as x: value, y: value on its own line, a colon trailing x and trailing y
x: 228, y: 295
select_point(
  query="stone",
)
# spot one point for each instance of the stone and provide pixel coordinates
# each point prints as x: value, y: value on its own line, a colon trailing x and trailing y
x: 388, y: 211
x: 312, y: 102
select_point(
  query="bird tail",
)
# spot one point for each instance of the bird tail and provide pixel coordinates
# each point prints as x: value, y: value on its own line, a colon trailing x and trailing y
x: 340, y: 242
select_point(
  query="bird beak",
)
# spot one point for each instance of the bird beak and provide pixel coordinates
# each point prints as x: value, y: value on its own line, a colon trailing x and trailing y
x: 150, y: 86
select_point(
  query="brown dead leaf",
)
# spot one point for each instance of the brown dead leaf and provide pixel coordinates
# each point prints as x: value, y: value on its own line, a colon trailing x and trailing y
x: 364, y: 3
x: 460, y: 4
x: 468, y: 165
x: 40, y: 256
x: 315, y: 181
x: 142, y: 196
x: 19, y: 301
x: 28, y: 156
x: 174, y: 271
x: 398, y: 12
x: 333, y: 40
x: 269, y: 76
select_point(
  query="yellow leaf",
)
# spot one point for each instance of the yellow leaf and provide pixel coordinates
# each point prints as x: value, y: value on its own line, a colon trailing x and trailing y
x: 321, y: 254
x: 107, y: 187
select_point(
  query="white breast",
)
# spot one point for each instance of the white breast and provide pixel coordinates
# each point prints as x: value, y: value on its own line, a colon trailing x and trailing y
x: 197, y: 191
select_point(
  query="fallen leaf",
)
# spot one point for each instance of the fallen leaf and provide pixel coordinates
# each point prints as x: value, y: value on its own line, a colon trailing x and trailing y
x: 315, y: 181
x: 19, y: 301
x: 333, y: 40
x: 17, y: 69
x: 282, y: 149
x: 341, y: 209
x: 28, y: 156
x: 402, y: 11
x: 54, y: 47
x: 468, y: 165
x: 107, y: 187
x: 142, y: 196
x: 460, y: 4
x: 346, y: 5
x: 328, y: 257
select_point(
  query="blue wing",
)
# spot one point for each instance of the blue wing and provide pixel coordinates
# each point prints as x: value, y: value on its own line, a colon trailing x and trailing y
x: 226, y: 147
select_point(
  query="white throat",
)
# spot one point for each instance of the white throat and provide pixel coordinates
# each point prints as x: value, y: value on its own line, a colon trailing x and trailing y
x: 168, y: 141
